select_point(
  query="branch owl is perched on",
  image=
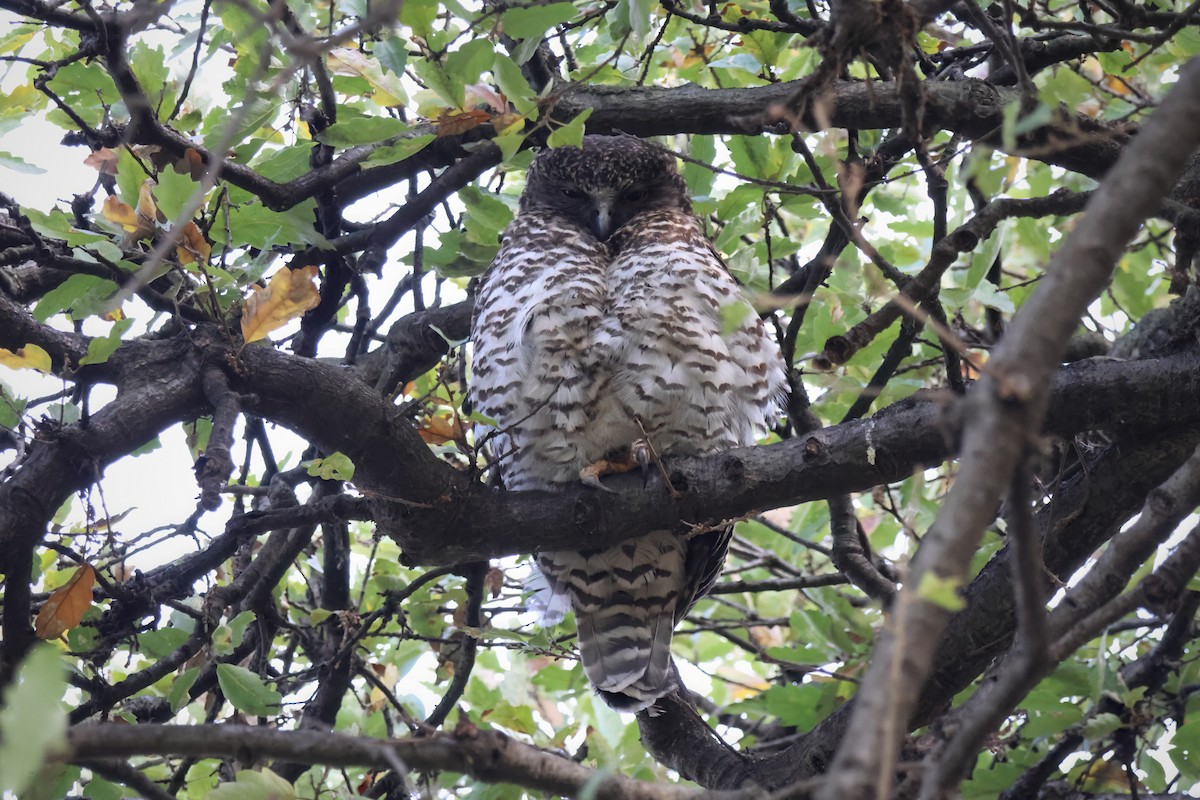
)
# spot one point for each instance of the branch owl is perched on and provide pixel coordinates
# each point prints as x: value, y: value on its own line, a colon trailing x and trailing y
x: 598, y: 327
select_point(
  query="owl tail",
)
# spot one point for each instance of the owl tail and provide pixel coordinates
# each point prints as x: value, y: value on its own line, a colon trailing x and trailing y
x: 624, y: 599
x: 627, y: 656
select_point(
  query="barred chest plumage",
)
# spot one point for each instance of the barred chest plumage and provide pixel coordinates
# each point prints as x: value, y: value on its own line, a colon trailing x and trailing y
x: 588, y: 344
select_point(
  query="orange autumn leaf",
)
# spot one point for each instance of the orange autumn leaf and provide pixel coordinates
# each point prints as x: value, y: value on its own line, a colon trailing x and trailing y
x: 191, y: 163
x: 103, y: 161
x: 288, y: 294
x: 441, y: 430
x: 452, y: 123
x: 120, y: 213
x: 192, y: 246
x: 65, y: 607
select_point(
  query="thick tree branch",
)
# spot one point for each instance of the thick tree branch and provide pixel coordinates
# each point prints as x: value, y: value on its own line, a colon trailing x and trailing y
x: 483, y: 755
x: 473, y: 521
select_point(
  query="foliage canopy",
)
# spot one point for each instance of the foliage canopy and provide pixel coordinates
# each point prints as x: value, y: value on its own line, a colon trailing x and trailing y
x: 269, y: 246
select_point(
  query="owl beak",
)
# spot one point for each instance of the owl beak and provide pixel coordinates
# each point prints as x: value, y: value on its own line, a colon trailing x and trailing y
x: 602, y: 218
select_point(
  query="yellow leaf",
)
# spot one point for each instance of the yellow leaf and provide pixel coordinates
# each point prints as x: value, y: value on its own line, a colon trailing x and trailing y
x: 64, y: 608
x: 120, y: 213
x: 147, y: 209
x: 288, y: 294
x: 1116, y: 85
x: 508, y: 123
x: 192, y: 246
x: 28, y: 357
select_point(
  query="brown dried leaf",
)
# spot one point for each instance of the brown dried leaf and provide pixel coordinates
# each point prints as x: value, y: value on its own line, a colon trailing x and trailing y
x: 192, y: 246
x: 441, y: 429
x: 494, y: 582
x: 288, y: 294
x: 192, y: 163
x: 453, y: 122
x: 65, y: 607
x: 103, y: 161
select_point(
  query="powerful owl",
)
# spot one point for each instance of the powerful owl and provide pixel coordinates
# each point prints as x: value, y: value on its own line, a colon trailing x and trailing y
x: 603, y: 333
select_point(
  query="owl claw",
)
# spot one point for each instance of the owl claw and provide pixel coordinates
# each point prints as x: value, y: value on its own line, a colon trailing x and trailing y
x: 590, y: 475
x: 643, y: 453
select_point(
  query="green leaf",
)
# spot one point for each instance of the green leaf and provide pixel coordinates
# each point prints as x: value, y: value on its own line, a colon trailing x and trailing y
x: 796, y: 705
x: 518, y: 719
x: 515, y: 87
x: 571, y: 134
x: 250, y: 785
x: 941, y: 591
x: 318, y: 615
x: 178, y: 693
x: 148, y: 447
x: 81, y: 295
x: 130, y: 176
x: 528, y: 22
x: 509, y: 144
x: 32, y: 722
x: 1101, y: 726
x: 162, y: 642
x: 247, y: 691
x: 448, y: 86
x: 363, y: 130
x: 471, y: 60
x: 238, y: 625
x: 487, y: 216
x: 419, y: 15
x: 100, y: 789
x: 254, y: 225
x: 743, y: 61
x: 173, y: 192
x: 149, y: 65
x: 11, y: 407
x: 392, y: 53
x: 390, y: 154
x: 335, y: 467
x: 18, y: 164
x: 990, y: 296
x: 284, y: 164
x: 100, y: 348
x: 196, y: 434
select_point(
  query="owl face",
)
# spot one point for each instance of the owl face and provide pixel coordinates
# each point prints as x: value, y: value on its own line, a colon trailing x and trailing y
x: 605, y: 183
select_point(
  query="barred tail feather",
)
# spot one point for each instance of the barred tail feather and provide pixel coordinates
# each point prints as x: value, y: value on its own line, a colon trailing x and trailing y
x: 625, y: 600
x: 630, y: 662
x: 550, y: 599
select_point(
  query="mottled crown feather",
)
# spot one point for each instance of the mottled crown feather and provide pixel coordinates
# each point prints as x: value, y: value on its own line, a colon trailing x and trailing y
x: 606, y: 162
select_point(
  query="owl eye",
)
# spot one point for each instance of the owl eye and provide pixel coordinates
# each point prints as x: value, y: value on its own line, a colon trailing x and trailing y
x: 635, y: 195
x: 572, y: 192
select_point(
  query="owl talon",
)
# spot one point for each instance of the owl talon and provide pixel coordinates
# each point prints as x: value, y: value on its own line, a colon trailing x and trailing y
x: 590, y: 475
x: 643, y: 453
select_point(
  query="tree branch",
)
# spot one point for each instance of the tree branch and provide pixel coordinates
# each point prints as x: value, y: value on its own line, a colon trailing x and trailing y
x: 484, y: 755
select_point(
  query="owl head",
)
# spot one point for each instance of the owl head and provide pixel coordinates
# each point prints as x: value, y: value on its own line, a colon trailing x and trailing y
x: 605, y: 183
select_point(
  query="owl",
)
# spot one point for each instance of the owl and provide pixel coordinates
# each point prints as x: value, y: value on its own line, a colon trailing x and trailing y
x: 607, y: 329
